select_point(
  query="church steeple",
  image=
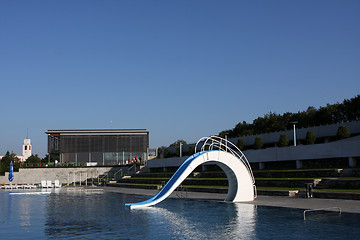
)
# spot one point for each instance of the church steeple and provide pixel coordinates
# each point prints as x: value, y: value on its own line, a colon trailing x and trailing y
x: 26, y: 151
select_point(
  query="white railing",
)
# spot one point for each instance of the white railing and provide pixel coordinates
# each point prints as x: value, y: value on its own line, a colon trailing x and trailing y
x: 119, y: 171
x: 218, y: 143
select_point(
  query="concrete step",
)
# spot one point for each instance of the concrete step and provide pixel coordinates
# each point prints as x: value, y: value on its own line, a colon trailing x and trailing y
x: 156, y: 175
x: 188, y: 181
x: 338, y: 183
x: 336, y: 195
x: 288, y: 193
x: 290, y: 183
x: 263, y: 182
x: 298, y: 173
x: 139, y: 186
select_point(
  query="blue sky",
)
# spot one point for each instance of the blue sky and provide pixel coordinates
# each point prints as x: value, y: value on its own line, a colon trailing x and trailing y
x: 181, y: 69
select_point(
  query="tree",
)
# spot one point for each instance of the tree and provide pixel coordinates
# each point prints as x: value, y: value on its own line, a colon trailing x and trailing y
x: 224, y: 133
x: 167, y: 153
x: 33, y: 159
x: 310, y: 138
x: 258, y: 143
x: 177, y: 143
x: 160, y: 151
x: 348, y: 110
x: 50, y: 158
x: 241, y: 144
x: 241, y: 129
x: 351, y: 109
x: 5, y: 162
x: 342, y: 132
x: 283, y: 140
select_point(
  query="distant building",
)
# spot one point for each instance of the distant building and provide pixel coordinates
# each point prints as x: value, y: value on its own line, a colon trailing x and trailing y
x: 99, y: 147
x: 26, y: 151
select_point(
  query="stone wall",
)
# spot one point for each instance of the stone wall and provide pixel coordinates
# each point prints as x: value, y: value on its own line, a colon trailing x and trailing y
x: 64, y: 175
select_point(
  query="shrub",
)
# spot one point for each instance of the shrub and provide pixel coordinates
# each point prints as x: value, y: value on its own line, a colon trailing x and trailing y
x: 310, y: 138
x: 258, y: 143
x: 342, y: 132
x: 241, y: 144
x: 283, y: 140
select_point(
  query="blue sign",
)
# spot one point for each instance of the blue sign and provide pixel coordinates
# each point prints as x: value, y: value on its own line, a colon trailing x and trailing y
x: 11, y: 172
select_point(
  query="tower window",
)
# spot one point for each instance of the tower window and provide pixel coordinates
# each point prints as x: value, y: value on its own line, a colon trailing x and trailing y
x: 25, y: 147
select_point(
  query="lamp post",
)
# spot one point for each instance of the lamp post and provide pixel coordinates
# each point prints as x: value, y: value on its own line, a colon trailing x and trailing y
x: 181, y: 149
x: 295, y: 122
x: 226, y: 142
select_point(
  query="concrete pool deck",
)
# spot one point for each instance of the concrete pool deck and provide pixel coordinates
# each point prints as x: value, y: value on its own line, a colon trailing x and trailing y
x: 351, y: 206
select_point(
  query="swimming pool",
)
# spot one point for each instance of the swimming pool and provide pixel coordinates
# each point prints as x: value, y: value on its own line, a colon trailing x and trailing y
x: 96, y: 214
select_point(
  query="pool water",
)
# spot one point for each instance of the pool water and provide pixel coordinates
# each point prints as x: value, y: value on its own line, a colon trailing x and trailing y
x: 81, y: 214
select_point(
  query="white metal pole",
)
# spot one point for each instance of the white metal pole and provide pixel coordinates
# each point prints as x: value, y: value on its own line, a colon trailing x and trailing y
x: 226, y: 142
x: 294, y: 135
x: 180, y: 149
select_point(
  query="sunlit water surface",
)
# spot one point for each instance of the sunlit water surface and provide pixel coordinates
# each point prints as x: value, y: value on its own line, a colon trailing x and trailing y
x: 80, y: 214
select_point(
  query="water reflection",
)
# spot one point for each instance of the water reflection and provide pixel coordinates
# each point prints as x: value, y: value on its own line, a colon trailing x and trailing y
x: 244, y: 222
x: 103, y: 215
x: 23, y: 215
x: 71, y: 213
x: 203, y: 220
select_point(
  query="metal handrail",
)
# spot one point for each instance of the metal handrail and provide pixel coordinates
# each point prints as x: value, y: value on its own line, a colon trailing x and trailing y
x: 321, y: 209
x: 181, y: 189
x: 226, y: 146
x: 120, y: 170
x: 131, y: 168
x: 107, y: 177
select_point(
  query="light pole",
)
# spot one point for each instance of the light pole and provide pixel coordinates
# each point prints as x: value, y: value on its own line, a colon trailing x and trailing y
x: 226, y: 142
x: 295, y: 122
x: 181, y: 149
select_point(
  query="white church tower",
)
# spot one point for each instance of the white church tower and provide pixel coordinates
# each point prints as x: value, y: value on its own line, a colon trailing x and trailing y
x: 26, y: 151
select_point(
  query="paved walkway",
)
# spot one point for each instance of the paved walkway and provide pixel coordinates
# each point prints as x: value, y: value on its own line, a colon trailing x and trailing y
x: 352, y: 206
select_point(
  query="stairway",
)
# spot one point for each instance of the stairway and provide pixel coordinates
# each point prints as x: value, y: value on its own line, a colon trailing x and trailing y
x: 272, y: 182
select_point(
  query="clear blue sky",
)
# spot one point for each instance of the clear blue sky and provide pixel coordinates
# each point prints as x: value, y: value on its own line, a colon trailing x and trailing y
x: 181, y: 69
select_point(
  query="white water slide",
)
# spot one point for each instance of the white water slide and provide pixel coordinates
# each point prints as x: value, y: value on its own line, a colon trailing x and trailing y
x: 224, y: 154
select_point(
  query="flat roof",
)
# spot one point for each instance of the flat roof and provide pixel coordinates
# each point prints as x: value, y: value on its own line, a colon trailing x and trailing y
x: 98, y: 132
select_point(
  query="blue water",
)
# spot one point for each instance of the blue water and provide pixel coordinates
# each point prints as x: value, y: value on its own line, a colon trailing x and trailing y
x: 101, y: 215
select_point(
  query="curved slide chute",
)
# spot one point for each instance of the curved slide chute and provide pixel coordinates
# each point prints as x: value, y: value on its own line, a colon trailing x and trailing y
x: 233, y: 163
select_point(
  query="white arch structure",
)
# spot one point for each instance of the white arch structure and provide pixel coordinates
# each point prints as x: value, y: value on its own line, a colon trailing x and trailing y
x: 224, y: 154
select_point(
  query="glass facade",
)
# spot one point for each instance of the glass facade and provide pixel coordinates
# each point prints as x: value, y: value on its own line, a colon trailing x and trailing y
x: 99, y: 147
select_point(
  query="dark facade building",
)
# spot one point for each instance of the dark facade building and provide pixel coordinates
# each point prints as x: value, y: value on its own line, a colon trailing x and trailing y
x: 99, y: 147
